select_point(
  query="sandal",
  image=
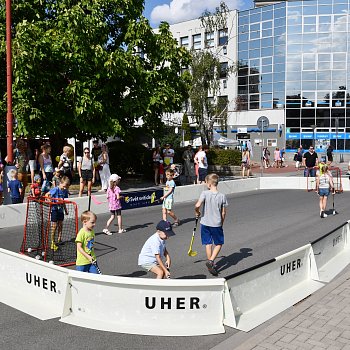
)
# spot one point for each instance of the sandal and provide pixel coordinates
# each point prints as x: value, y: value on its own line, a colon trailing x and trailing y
x: 176, y: 223
x: 107, y: 232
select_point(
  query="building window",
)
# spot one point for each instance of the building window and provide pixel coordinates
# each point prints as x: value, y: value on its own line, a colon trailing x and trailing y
x: 223, y: 36
x: 223, y: 69
x: 209, y: 40
x: 184, y: 41
x: 197, y: 42
x: 271, y: 143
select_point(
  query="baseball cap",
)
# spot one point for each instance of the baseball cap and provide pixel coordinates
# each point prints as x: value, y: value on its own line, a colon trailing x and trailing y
x: 165, y: 226
x: 114, y: 177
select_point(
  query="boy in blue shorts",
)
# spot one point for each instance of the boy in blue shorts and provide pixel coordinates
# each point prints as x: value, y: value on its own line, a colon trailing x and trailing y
x: 57, y: 211
x: 168, y: 197
x: 214, y: 208
x: 14, y: 187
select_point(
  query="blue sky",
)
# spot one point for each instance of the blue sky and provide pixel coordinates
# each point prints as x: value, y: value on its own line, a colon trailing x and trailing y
x: 174, y: 11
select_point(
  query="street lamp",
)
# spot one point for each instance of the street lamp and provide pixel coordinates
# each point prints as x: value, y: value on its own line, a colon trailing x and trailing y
x: 313, y: 126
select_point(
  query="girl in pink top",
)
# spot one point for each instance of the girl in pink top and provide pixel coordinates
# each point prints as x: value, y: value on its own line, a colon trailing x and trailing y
x: 115, y: 207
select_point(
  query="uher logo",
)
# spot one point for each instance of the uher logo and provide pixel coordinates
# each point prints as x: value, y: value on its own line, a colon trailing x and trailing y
x: 291, y: 266
x: 179, y: 303
x: 337, y: 240
x: 41, y: 282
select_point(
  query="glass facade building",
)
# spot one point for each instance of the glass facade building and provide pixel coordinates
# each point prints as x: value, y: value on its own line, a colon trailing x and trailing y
x: 295, y: 55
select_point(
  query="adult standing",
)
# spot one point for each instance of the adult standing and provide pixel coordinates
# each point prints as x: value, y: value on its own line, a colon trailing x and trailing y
x: 46, y: 166
x: 20, y: 156
x: 245, y: 165
x: 65, y: 164
x: 310, y: 160
x: 196, y: 162
x: 104, y: 171
x: 277, y: 157
x: 168, y: 156
x: 202, y: 164
x: 329, y: 154
x: 188, y: 157
x: 156, y: 157
x: 95, y: 153
x: 86, y: 170
x: 298, y: 157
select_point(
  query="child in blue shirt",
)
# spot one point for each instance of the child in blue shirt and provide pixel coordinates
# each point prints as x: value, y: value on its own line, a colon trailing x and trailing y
x: 168, y: 197
x: 57, y: 211
x: 14, y: 187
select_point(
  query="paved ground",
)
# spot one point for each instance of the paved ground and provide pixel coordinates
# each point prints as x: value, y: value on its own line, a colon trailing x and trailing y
x: 260, y: 225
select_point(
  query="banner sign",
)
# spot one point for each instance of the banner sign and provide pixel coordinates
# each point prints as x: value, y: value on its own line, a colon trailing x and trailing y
x: 145, y: 306
x: 31, y: 285
x: 140, y: 199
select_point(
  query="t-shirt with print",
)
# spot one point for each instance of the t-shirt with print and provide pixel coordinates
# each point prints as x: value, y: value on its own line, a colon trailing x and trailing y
x: 21, y: 161
x: 113, y: 202
x: 213, y: 202
x: 56, y: 192
x: 168, y: 185
x: 87, y: 240
x: 168, y: 156
x: 154, y: 245
x: 14, y: 186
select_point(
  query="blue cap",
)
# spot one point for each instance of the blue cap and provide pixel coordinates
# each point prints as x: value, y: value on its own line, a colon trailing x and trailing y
x: 165, y: 226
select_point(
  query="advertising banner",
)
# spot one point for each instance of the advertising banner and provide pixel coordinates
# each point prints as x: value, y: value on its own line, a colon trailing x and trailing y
x: 332, y: 253
x: 262, y: 292
x: 140, y: 199
x: 32, y: 286
x: 145, y: 306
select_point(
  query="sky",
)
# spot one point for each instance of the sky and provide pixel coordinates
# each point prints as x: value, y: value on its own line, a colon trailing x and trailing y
x: 174, y: 11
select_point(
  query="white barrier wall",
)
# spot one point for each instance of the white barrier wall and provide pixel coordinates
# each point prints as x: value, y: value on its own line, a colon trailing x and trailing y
x: 332, y: 253
x: 281, y: 183
x: 145, y: 306
x: 263, y: 292
x: 32, y: 286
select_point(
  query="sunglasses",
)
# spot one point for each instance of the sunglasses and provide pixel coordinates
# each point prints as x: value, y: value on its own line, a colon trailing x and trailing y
x: 86, y: 152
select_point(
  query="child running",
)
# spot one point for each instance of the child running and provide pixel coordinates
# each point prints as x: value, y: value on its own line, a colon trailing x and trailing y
x: 168, y: 197
x: 85, y: 244
x: 214, y: 208
x: 115, y: 207
x: 57, y: 211
x: 154, y: 251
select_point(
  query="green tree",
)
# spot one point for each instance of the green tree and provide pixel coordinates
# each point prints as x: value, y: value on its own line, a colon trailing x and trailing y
x: 207, y: 106
x: 90, y: 68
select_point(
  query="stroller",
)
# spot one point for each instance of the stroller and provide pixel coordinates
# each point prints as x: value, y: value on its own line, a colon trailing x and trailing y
x: 177, y: 173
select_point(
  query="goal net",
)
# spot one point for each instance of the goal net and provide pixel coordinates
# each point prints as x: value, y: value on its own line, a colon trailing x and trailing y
x: 50, y: 230
x: 335, y: 172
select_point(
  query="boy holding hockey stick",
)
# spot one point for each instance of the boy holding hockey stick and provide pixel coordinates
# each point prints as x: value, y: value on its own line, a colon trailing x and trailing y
x: 212, y: 233
x: 85, y: 240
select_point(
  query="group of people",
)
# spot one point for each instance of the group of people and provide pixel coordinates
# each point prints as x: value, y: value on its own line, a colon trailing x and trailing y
x: 195, y: 163
x: 43, y: 174
x: 154, y: 256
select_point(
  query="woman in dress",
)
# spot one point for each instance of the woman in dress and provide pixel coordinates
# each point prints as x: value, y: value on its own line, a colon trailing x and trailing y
x: 86, y: 171
x: 156, y: 157
x: 104, y: 171
x: 196, y: 163
x: 188, y: 157
x: 46, y: 166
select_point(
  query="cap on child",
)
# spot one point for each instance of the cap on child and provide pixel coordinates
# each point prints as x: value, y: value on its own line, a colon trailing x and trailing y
x: 114, y: 177
x: 165, y: 226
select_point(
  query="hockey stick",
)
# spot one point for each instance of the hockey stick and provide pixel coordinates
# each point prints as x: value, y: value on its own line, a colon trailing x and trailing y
x: 334, y: 211
x: 190, y: 251
x: 94, y: 262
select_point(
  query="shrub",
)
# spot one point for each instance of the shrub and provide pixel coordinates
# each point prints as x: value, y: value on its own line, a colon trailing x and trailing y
x: 217, y: 156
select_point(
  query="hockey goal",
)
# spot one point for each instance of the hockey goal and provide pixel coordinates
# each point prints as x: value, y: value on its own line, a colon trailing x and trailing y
x: 50, y: 230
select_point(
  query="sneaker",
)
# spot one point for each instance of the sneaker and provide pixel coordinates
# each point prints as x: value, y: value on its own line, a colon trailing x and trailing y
x: 122, y: 230
x: 211, y: 267
x: 107, y: 232
x: 54, y: 246
x: 321, y: 214
x: 324, y: 215
x: 176, y: 223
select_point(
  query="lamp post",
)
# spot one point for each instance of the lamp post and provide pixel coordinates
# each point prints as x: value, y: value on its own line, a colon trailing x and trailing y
x: 313, y: 126
x: 336, y: 134
x: 9, y: 116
